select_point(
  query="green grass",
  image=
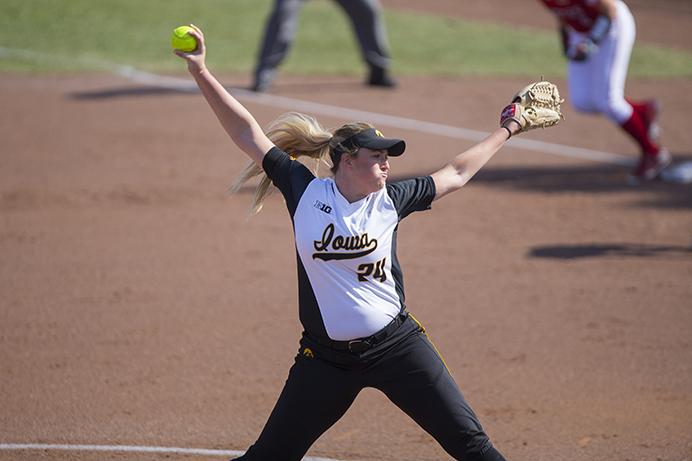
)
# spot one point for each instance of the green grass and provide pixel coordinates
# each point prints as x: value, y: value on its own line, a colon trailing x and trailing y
x: 78, y: 35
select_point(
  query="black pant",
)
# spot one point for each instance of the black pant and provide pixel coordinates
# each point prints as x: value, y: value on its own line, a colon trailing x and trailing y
x: 282, y: 24
x: 323, y: 383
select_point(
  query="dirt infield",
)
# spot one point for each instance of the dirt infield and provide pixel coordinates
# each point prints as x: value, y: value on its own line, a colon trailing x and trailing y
x: 665, y: 22
x: 139, y: 306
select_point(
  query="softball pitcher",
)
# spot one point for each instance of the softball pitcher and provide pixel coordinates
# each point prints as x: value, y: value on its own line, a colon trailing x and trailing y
x: 357, y: 330
x: 597, y: 38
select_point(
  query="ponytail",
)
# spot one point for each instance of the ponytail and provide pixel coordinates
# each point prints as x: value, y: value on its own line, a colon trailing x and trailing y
x: 299, y: 135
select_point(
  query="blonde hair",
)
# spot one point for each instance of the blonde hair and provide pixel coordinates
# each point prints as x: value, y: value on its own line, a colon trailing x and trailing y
x: 299, y: 135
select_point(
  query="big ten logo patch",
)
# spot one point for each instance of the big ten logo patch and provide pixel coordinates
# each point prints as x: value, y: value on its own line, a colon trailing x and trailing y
x: 323, y: 207
x: 307, y: 352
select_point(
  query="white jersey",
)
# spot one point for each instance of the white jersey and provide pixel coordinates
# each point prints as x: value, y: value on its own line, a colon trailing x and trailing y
x: 350, y: 282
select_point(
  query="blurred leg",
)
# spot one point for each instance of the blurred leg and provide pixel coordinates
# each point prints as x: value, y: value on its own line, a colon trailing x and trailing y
x: 580, y: 76
x: 368, y: 26
x: 279, y: 32
x: 611, y: 64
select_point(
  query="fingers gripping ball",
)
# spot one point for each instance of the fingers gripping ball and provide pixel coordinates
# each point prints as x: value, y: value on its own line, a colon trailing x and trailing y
x: 182, y: 40
x: 536, y: 105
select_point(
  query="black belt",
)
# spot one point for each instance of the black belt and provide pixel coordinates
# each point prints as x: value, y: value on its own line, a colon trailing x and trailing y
x: 363, y: 344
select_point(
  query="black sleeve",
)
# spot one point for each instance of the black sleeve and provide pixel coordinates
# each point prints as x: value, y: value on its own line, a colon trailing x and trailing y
x: 409, y: 195
x: 289, y: 176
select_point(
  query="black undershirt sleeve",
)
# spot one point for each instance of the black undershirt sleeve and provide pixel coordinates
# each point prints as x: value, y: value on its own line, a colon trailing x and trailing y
x: 288, y: 175
x: 409, y: 195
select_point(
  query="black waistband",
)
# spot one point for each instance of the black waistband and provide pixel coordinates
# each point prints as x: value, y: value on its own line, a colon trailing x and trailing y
x: 363, y: 344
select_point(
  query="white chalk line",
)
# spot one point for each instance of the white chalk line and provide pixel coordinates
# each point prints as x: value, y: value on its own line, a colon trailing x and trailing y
x: 132, y: 449
x: 421, y: 126
x: 187, y: 85
x: 681, y: 173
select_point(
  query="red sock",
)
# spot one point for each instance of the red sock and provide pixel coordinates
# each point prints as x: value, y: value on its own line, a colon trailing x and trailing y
x: 636, y: 127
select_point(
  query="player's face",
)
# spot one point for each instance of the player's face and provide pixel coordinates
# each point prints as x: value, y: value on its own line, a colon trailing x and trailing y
x: 371, y: 168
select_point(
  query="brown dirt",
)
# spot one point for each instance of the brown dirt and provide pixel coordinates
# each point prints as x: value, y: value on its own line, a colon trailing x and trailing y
x: 139, y: 306
x: 666, y: 22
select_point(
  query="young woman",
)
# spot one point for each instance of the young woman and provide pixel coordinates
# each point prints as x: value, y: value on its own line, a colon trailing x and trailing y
x: 597, y: 38
x: 357, y: 331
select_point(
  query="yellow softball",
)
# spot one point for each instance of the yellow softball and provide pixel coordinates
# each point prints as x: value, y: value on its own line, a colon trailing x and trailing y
x: 182, y: 40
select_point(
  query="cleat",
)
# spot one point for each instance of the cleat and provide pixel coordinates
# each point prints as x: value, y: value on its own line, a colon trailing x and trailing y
x: 380, y: 77
x: 650, y: 167
x: 263, y: 80
x: 652, y: 112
